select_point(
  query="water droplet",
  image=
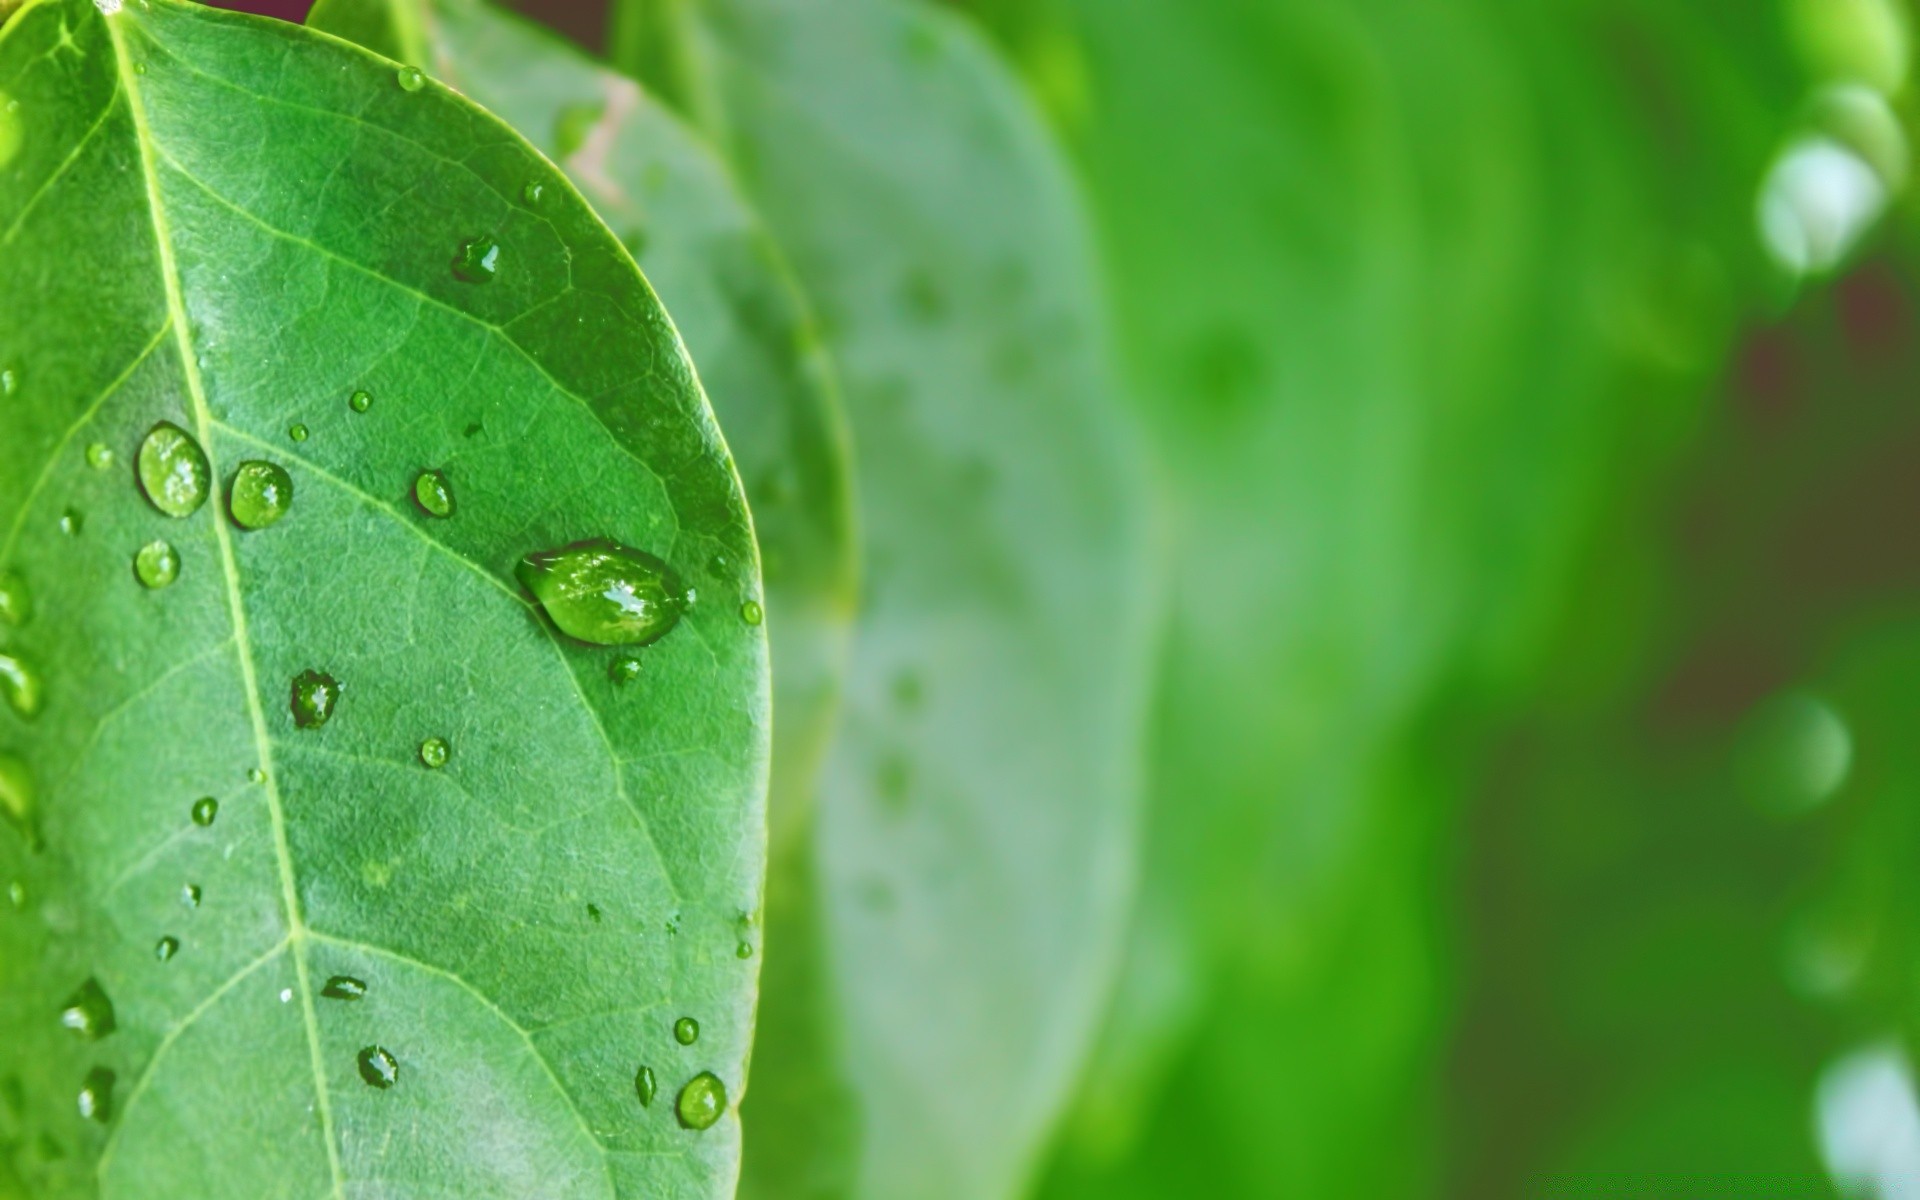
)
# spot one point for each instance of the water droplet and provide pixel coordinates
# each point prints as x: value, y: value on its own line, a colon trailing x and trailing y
x: 139, y: 68
x: 743, y: 950
x: 16, y: 602
x: 604, y: 593
x: 9, y: 381
x: 21, y: 686
x: 702, y: 1101
x: 173, y: 470
x: 96, y: 1095
x: 717, y: 564
x: 17, y: 895
x: 256, y: 776
x: 433, y: 494
x: 73, y: 522
x: 315, y: 693
x: 99, y: 456
x: 752, y: 613
x: 18, y: 802
x: 344, y: 987
x: 156, y: 564
x: 478, y: 259
x: 686, y: 1031
x: 205, y: 809
x: 593, y: 913
x: 298, y: 433
x: 360, y: 401
x: 166, y: 948
x: 190, y: 895
x: 624, y: 669
x: 88, y: 1012
x: 645, y: 1086
x: 1793, y: 753
x: 378, y: 1068
x: 533, y: 192
x: 411, y: 79
x: 286, y: 995
x: 434, y: 752
x: 261, y: 494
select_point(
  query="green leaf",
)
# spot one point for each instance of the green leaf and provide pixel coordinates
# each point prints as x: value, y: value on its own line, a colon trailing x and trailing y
x: 235, y: 226
x: 978, y: 817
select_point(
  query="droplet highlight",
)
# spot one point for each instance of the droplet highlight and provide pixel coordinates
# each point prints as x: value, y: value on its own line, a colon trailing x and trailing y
x: 645, y: 1086
x: 16, y: 602
x: 99, y: 456
x: 702, y: 1101
x: 88, y: 1012
x: 166, y: 948
x: 478, y: 260
x: 434, y: 753
x: 433, y: 494
x: 752, y: 613
x: 379, y: 1068
x: 686, y: 1031
x: 20, y: 684
x: 204, y: 811
x: 190, y: 895
x: 261, y: 494
x: 344, y: 987
x: 624, y: 669
x: 604, y: 593
x: 411, y: 79
x: 19, y: 800
x: 156, y: 565
x: 73, y: 522
x: 298, y: 433
x: 173, y: 470
x: 315, y: 695
x: 360, y: 401
x: 96, y: 1095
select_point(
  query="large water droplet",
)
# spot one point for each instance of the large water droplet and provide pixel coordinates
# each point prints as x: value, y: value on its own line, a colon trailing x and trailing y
x: 378, y: 1067
x: 434, y: 752
x: 166, y: 948
x: 702, y: 1101
x: 360, y: 401
x: 478, y: 259
x: 156, y: 564
x: 315, y: 693
x: 173, y: 470
x: 99, y: 456
x: 18, y: 800
x: 16, y: 602
x: 645, y: 1086
x: 344, y: 987
x: 433, y: 493
x: 686, y: 1031
x: 411, y: 79
x: 261, y: 494
x: 21, y: 686
x: 88, y: 1012
x: 205, y: 809
x: 604, y: 593
x: 96, y: 1095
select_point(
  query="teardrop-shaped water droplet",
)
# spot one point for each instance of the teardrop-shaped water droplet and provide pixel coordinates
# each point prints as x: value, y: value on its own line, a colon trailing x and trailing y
x: 645, y: 1086
x: 532, y: 193
x: 752, y: 613
x: 261, y: 494
x: 156, y: 564
x: 190, y: 895
x: 166, y: 948
x: 99, y: 456
x: 478, y: 259
x: 16, y: 602
x: 73, y: 522
x: 19, y: 802
x: 702, y: 1101
x: 379, y: 1068
x: 20, y: 684
x: 256, y: 776
x: 624, y: 669
x: 173, y: 470
x: 411, y: 79
x: 743, y: 950
x: 344, y: 987
x: 433, y: 494
x: 298, y: 433
x: 360, y: 401
x: 205, y: 809
x: 88, y: 1012
x: 315, y: 693
x: 434, y: 752
x: 686, y: 1031
x: 604, y: 593
x: 96, y: 1095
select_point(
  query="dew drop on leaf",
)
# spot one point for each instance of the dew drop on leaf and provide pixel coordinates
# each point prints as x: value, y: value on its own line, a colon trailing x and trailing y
x: 205, y: 809
x: 73, y: 522
x: 344, y: 987
x: 411, y: 79
x: 315, y: 693
x: 478, y: 259
x: 261, y: 494
x: 9, y: 381
x: 533, y: 192
x: 435, y: 752
x: 20, y: 684
x: 18, y: 802
x: 16, y: 602
x: 604, y: 593
x: 360, y: 401
x: 99, y: 456
x: 298, y: 433
x: 17, y: 895
x: 173, y: 470
x: 433, y: 494
x: 752, y: 613
x: 378, y: 1067
x: 156, y: 564
x: 701, y: 1101
x: 166, y: 948
x: 88, y: 1012
x: 96, y: 1095
x: 256, y: 776
x: 645, y: 1086
x: 686, y: 1031
x: 190, y: 895
x: 624, y: 669
x: 743, y: 950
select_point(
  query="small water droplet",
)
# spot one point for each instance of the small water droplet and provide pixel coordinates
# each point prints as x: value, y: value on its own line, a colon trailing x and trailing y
x: 604, y: 593
x: 743, y: 950
x: 298, y: 433
x: 411, y: 79
x: 593, y: 913
x: 19, y: 802
x: 17, y: 895
x: 702, y: 1101
x: 190, y: 895
x: 96, y: 1095
x: 173, y: 470
x: 256, y: 776
x: 140, y: 68
x: 686, y: 1031
x: 752, y: 613
x: 315, y: 693
x: 434, y: 752
x: 21, y: 686
x: 286, y: 995
x: 156, y: 564
x: 261, y: 494
x: 344, y: 987
x: 73, y: 522
x: 717, y: 564
x: 624, y: 669
x: 433, y: 494
x: 360, y: 401
x: 533, y: 192
x: 205, y: 809
x: 9, y: 381
x: 16, y: 602
x: 478, y: 260
x: 166, y: 948
x: 88, y: 1012
x: 645, y: 1086
x: 99, y: 456
x: 379, y: 1068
